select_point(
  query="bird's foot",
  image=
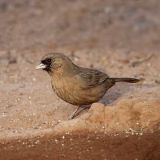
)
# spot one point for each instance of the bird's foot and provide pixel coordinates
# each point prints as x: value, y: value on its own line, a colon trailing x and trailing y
x: 78, y: 111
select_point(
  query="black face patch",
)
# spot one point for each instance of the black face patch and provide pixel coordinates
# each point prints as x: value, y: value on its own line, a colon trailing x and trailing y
x: 48, y: 63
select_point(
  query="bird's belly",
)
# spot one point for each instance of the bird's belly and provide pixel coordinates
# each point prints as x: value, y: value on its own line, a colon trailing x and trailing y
x: 77, y: 96
x: 92, y: 95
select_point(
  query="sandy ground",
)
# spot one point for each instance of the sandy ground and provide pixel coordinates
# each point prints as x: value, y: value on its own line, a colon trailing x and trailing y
x: 120, y: 38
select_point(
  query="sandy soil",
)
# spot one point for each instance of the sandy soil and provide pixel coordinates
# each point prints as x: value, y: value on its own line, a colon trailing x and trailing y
x: 120, y: 38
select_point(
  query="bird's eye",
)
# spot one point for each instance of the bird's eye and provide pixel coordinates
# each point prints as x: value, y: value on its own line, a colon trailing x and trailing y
x: 47, y: 61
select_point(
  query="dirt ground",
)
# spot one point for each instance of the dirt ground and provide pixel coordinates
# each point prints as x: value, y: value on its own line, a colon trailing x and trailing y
x: 119, y: 37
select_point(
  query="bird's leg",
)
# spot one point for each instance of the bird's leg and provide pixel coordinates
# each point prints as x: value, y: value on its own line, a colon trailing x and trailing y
x: 74, y: 113
x: 78, y: 111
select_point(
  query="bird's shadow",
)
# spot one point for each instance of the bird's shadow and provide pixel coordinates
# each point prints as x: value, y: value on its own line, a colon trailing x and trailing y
x: 116, y: 92
x: 113, y: 94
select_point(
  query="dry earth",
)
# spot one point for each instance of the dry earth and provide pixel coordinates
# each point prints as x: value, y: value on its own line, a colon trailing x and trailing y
x: 119, y: 37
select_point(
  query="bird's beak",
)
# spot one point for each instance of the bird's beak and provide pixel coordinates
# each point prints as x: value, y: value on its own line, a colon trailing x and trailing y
x: 41, y: 66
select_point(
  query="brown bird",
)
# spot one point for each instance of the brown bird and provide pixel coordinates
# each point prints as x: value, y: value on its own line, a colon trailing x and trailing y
x: 77, y: 85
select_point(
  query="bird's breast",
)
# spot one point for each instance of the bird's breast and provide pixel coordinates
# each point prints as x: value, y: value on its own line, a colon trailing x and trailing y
x: 65, y: 88
x: 70, y: 91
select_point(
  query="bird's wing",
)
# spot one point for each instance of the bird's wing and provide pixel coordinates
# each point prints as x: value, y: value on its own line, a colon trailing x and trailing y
x: 90, y: 78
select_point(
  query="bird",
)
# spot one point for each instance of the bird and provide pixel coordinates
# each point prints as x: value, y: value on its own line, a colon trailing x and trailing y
x: 77, y: 85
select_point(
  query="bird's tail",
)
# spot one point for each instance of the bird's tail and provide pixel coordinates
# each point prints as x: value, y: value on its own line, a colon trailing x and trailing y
x: 129, y: 80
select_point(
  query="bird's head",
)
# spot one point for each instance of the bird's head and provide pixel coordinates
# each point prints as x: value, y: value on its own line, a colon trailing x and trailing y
x: 54, y: 62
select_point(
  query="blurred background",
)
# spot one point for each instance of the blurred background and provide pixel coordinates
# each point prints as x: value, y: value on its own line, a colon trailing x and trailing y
x: 27, y: 24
